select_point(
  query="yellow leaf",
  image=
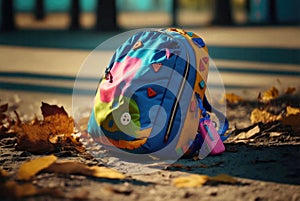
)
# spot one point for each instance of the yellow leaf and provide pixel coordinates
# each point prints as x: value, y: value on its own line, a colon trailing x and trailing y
x: 190, y: 181
x: 263, y: 116
x: 232, y: 98
x: 31, y: 168
x: 194, y: 180
x: 270, y: 94
x: 223, y: 178
x: 104, y: 172
x: 292, y: 111
x: 74, y: 167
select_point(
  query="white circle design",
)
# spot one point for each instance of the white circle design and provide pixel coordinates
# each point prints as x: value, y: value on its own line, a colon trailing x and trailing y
x: 125, y: 118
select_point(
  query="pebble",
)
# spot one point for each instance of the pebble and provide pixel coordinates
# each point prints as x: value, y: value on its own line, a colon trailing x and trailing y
x: 212, y: 191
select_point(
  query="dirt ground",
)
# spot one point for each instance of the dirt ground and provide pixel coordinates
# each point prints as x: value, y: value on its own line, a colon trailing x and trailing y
x: 267, y: 168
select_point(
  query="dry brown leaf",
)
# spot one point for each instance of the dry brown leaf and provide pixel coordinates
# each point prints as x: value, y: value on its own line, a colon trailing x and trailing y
x: 263, y: 116
x: 49, y: 110
x: 190, y: 181
x: 74, y: 167
x: 34, y: 138
x: 53, y: 133
x: 290, y: 90
x: 232, y: 98
x: 223, y: 178
x: 59, y: 124
x: 270, y: 94
x: 29, y: 169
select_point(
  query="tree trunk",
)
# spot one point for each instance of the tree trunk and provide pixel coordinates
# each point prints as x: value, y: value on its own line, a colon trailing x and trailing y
x: 7, y: 12
x: 222, y: 12
x: 174, y: 13
x: 39, y: 9
x: 273, y: 13
x: 75, y: 14
x: 106, y: 19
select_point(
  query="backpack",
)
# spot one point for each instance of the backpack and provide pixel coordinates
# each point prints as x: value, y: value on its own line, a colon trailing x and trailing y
x: 151, y: 99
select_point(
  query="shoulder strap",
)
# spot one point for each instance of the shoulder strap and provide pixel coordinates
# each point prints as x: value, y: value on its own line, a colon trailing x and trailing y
x: 223, y: 121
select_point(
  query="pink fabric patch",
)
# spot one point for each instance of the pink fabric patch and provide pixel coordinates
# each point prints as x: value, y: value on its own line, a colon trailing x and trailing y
x: 122, y: 72
x: 201, y: 66
x: 168, y: 53
x: 206, y: 60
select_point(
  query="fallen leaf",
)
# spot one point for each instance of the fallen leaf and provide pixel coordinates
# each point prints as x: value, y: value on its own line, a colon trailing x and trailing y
x: 249, y: 134
x: 53, y: 133
x: 292, y: 111
x: 232, y: 98
x: 263, y: 116
x: 34, y: 138
x: 29, y: 169
x: 270, y: 94
x: 190, y: 181
x: 59, y: 124
x: 194, y: 180
x: 74, y: 167
x: 223, y: 178
x: 49, y: 110
x: 290, y: 90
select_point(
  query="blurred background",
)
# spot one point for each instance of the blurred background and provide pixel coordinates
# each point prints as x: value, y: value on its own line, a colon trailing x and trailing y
x: 90, y: 14
x: 43, y: 43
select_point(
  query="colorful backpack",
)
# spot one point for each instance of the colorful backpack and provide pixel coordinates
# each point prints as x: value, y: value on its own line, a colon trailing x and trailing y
x: 151, y: 100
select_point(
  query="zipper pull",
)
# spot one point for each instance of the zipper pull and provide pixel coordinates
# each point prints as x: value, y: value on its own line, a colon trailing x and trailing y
x: 108, y: 75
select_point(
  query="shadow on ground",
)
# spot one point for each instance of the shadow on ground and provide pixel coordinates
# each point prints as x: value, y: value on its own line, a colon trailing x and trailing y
x: 275, y: 163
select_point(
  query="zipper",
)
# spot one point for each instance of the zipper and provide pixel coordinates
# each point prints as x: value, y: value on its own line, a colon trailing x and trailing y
x: 108, y: 75
x: 172, y: 118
